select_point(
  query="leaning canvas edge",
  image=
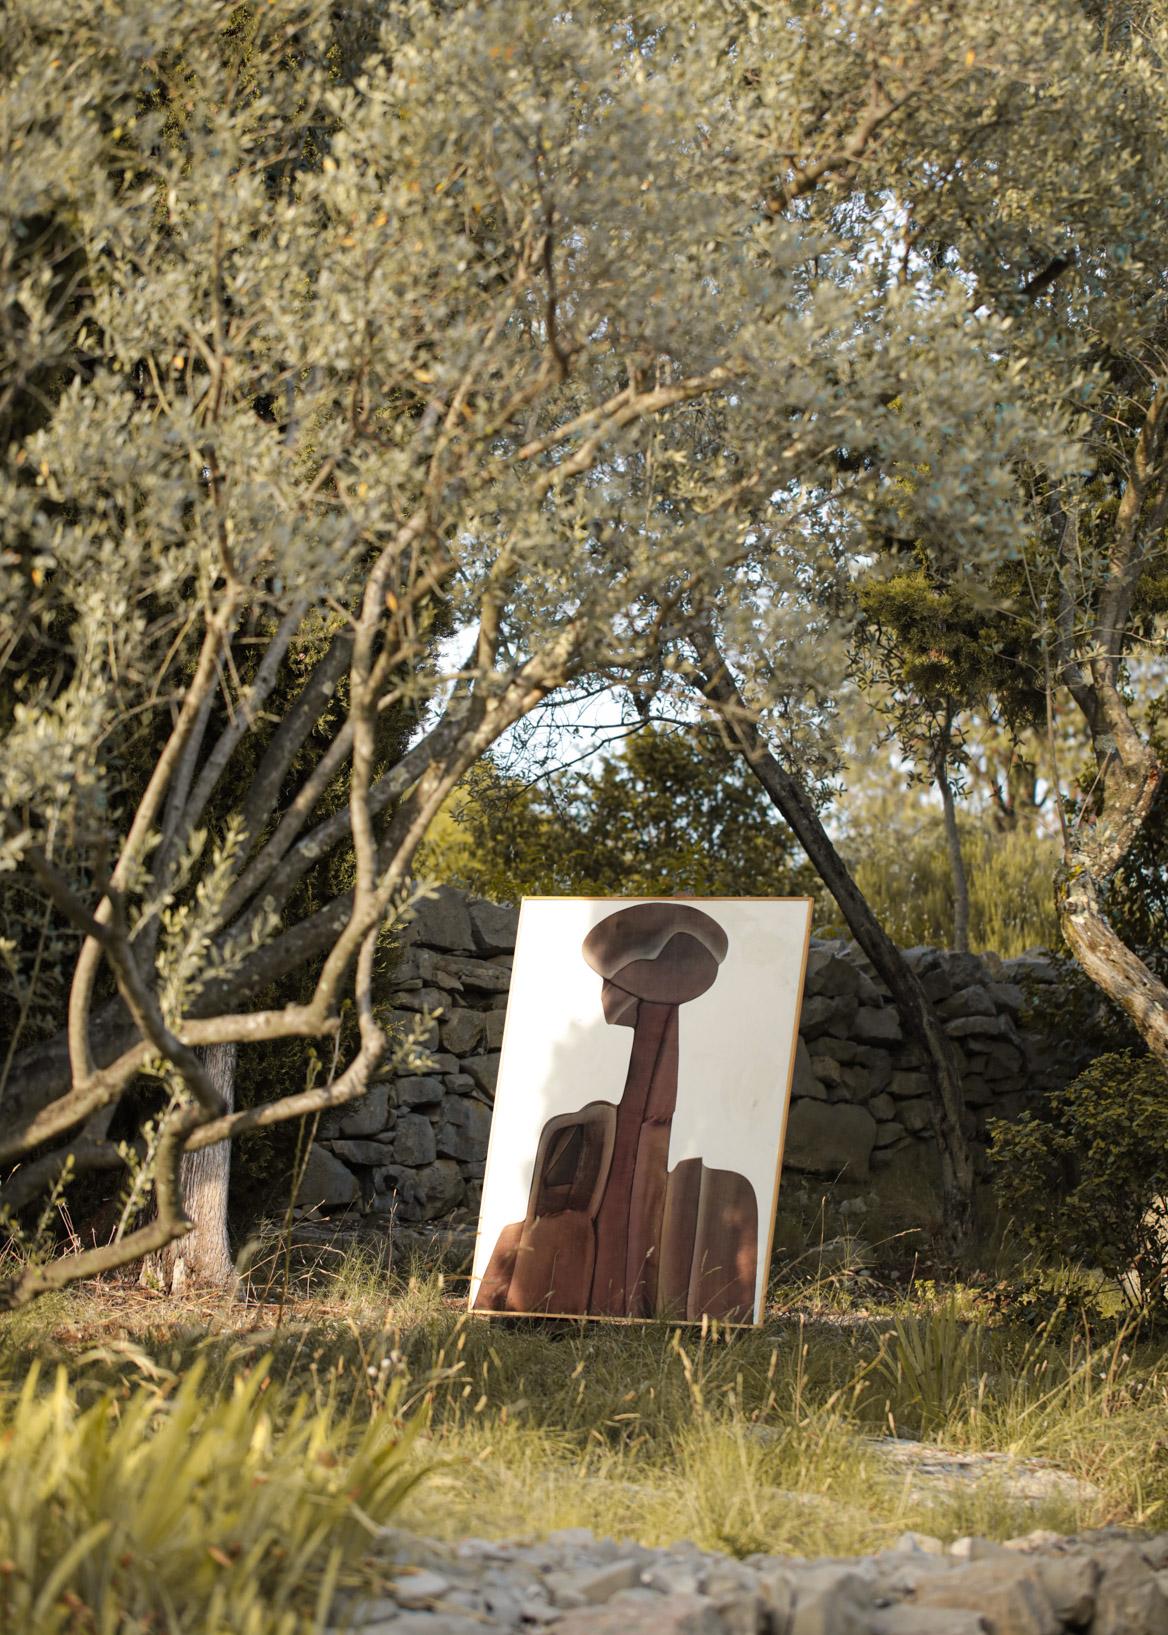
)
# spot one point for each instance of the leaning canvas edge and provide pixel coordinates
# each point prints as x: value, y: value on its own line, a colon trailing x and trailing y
x: 683, y: 1322
x: 760, y: 1298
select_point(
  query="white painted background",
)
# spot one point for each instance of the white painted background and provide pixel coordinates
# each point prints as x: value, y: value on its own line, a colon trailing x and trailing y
x: 737, y: 1043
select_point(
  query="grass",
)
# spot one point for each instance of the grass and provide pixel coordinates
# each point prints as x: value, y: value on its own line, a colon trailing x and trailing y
x: 301, y: 1428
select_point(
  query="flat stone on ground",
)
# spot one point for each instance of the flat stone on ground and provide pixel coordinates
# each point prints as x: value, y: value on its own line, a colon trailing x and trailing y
x: 653, y: 1615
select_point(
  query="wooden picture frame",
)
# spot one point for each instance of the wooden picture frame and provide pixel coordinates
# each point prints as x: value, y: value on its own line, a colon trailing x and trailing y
x: 636, y: 1178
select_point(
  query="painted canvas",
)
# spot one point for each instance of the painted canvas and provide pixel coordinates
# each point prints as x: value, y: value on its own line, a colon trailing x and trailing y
x: 640, y: 1108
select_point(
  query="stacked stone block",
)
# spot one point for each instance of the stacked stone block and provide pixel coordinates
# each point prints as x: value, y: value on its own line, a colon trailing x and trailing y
x: 860, y: 1093
x: 415, y: 1146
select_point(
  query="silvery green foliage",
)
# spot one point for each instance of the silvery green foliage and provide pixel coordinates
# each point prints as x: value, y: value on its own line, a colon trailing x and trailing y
x: 327, y: 331
x: 1040, y: 188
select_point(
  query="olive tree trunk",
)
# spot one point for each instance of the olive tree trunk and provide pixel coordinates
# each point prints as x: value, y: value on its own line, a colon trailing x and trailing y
x: 203, y: 1256
x: 917, y: 1016
x: 957, y: 872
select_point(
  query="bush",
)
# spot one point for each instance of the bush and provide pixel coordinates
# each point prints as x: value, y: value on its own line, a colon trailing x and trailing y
x: 1087, y: 1180
x: 170, y: 1507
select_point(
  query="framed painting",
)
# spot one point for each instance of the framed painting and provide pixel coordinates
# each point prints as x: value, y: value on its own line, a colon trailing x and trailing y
x: 642, y: 1097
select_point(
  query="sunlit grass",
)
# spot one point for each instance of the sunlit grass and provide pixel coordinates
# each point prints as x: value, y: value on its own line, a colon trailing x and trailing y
x: 745, y: 1440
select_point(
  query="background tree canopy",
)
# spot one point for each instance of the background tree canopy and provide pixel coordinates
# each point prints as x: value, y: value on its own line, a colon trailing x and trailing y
x: 671, y: 811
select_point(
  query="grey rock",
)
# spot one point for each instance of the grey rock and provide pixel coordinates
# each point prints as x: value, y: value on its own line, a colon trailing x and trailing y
x: 871, y: 990
x: 479, y: 974
x: 883, y: 1156
x: 889, y: 1133
x: 416, y: 966
x: 437, y: 1188
x: 413, y: 1140
x: 493, y: 926
x: 326, y: 1182
x: 858, y: 1081
x: 419, y: 1090
x: 1070, y: 1581
x: 829, y: 1139
x: 493, y: 1022
x: 883, y: 1107
x: 1009, y: 1594
x: 1005, y: 1056
x: 979, y: 1027
x: 919, y: 1544
x: 443, y: 1062
x: 977, y: 1091
x: 420, y: 1588
x: 826, y: 1071
x: 830, y: 975
x: 425, y: 1623
x: 358, y: 1152
x: 590, y: 1586
x: 1128, y: 1596
x: 1007, y: 996
x: 366, y: 1116
x: 722, y: 1578
x: 422, y: 999
x: 484, y: 1070
x: 463, y: 1031
x: 877, y: 1023
x: 908, y: 1084
x: 909, y: 1620
x: 465, y: 1130
x: 840, y: 1050
x: 830, y: 1599
x: 877, y: 1058
x: 410, y: 1024
x: 937, y: 984
x: 669, y: 1575
x: 915, y: 1113
x: 804, y: 1082
x: 1030, y: 968
x: 965, y: 970
x: 443, y: 921
x: 817, y: 1015
x: 642, y: 1613
x: 775, y: 1581
x: 972, y: 1548
x: 973, y: 1001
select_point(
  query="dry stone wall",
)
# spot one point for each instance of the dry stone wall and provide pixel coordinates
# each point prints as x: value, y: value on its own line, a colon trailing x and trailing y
x: 414, y: 1148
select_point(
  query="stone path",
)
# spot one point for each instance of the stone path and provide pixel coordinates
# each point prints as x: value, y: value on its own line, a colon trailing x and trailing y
x: 1109, y: 1582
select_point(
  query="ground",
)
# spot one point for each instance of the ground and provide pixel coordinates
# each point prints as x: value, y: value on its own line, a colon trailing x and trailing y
x: 775, y: 1439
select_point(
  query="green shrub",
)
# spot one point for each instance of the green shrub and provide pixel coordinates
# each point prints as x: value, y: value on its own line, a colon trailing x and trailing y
x: 173, y: 1507
x: 1087, y: 1181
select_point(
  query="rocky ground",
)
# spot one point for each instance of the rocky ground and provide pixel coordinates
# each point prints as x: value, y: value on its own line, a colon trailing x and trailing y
x: 1102, y: 1583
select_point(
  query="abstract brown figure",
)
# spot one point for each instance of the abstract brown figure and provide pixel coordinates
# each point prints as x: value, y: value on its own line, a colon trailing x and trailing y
x: 610, y: 1229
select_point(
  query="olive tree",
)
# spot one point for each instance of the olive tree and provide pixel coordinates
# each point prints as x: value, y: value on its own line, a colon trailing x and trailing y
x: 323, y: 330
x: 328, y: 331
x: 1029, y: 187
x: 318, y: 327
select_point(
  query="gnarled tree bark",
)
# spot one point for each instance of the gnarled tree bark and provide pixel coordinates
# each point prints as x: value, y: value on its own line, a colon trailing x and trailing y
x: 204, y: 1255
